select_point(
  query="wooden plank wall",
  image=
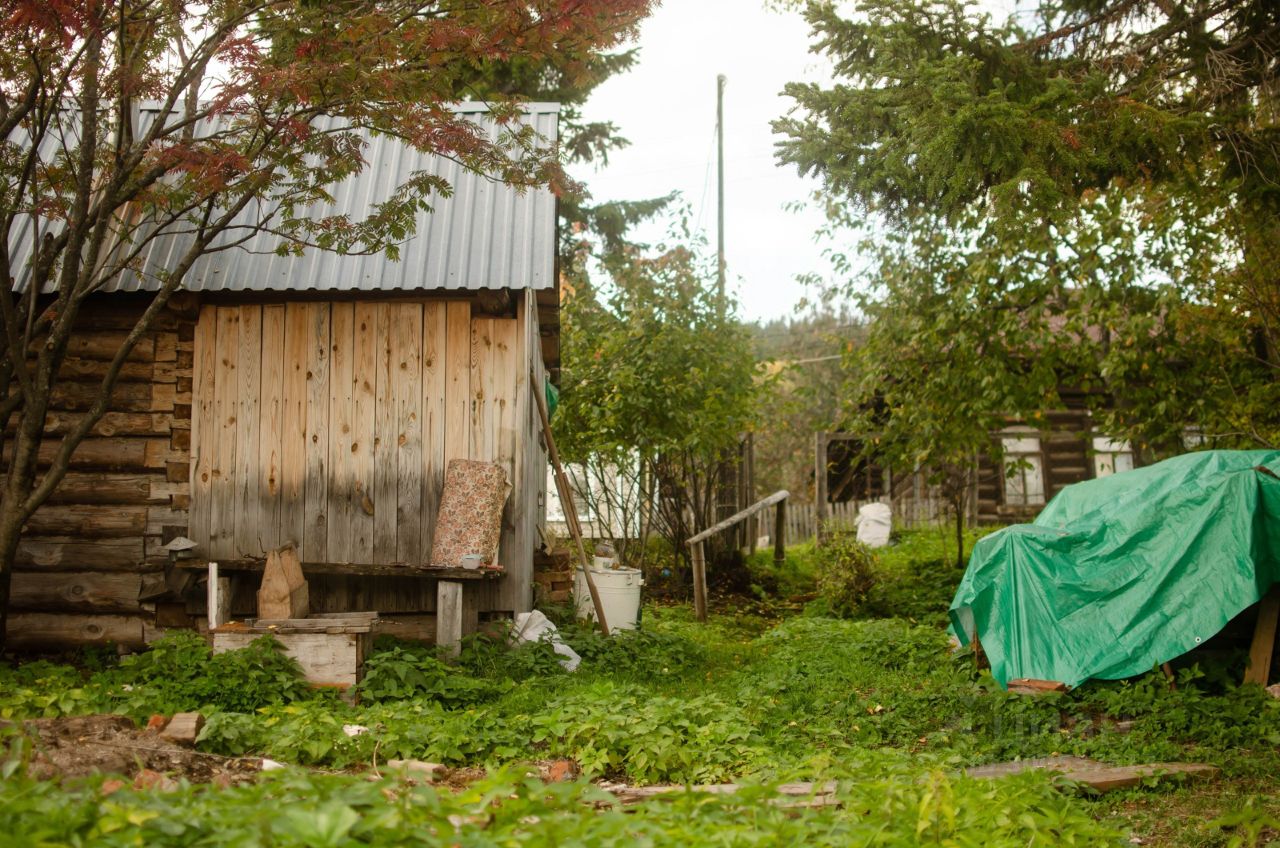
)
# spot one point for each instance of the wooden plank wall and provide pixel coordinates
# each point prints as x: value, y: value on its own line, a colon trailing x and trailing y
x: 90, y: 553
x: 330, y: 425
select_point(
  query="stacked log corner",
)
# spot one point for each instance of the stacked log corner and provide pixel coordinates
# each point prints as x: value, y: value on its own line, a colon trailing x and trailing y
x: 92, y: 557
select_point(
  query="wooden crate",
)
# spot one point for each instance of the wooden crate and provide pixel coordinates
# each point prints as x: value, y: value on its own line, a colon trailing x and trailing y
x: 330, y: 649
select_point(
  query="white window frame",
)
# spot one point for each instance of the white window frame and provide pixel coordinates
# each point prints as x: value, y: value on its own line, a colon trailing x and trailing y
x: 1111, y: 456
x: 1022, y: 463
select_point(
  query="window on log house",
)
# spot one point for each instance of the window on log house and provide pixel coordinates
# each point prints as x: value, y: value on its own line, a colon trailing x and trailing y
x: 1023, y: 467
x: 1111, y: 456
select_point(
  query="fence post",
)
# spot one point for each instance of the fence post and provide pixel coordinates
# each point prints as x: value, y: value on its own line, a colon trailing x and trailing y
x: 699, y: 582
x: 780, y: 534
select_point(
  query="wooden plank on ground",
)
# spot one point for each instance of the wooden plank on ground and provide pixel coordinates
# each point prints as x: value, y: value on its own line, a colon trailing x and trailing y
x: 204, y: 424
x: 435, y: 387
x: 341, y: 436
x: 315, y: 537
x: 271, y: 428
x: 1029, y: 686
x: 249, y: 535
x: 222, y: 504
x: 1098, y: 776
x: 293, y: 430
x: 1264, y: 638
x: 364, y: 396
x: 384, y: 486
x: 406, y: 390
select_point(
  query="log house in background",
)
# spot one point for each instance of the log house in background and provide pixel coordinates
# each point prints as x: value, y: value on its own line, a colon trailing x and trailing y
x: 314, y: 400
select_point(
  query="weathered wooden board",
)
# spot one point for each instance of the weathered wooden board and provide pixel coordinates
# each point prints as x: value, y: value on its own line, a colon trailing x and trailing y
x: 270, y: 493
x: 248, y: 528
x: 407, y: 403
x: 222, y: 441
x: 364, y: 393
x: 384, y: 490
x: 204, y: 423
x: 315, y: 539
x: 342, y: 467
x: 481, y: 420
x: 326, y: 659
x: 293, y: 427
x: 1095, y: 775
x: 435, y: 385
x: 457, y: 369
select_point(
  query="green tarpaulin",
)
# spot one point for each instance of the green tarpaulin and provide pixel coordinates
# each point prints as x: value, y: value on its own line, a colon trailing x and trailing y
x: 1122, y: 573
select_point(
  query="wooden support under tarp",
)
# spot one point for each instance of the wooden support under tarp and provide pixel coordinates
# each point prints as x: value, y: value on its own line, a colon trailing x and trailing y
x: 698, y: 555
x: 566, y: 501
x: 1264, y: 639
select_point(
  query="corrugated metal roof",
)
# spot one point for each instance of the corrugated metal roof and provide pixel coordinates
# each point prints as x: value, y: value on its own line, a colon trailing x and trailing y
x: 487, y: 235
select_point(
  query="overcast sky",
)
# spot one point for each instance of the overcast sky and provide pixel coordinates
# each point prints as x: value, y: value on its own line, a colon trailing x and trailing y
x: 666, y: 107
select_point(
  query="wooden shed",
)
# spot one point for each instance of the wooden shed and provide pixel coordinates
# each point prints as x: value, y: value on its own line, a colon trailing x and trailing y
x: 313, y: 400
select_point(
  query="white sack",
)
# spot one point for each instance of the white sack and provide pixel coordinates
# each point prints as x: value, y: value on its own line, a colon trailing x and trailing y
x: 874, y: 523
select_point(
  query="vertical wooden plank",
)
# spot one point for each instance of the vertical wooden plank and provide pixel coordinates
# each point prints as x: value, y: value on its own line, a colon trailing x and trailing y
x: 364, y: 396
x: 248, y: 522
x: 341, y: 437
x: 513, y: 346
x: 385, y: 446
x: 406, y: 385
x: 315, y: 497
x: 481, y: 421
x: 1264, y: 638
x: 222, y: 460
x: 457, y: 440
x: 435, y: 381
x: 204, y: 425
x: 271, y: 427
x: 449, y: 617
x: 293, y: 433
x: 780, y: 534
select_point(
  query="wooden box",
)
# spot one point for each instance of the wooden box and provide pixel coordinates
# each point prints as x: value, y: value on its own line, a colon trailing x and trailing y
x: 331, y: 649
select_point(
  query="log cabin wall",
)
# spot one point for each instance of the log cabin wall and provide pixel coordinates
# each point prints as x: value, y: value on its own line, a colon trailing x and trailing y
x: 90, y: 559
x: 329, y: 424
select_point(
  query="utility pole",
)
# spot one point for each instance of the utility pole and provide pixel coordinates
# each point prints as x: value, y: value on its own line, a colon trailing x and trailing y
x: 720, y: 81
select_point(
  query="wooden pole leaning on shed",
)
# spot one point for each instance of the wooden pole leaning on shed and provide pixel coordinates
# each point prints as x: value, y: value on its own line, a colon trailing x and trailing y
x: 566, y: 501
x: 698, y: 553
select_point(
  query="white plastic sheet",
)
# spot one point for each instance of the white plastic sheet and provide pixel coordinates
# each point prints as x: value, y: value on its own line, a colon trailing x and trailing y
x: 535, y: 627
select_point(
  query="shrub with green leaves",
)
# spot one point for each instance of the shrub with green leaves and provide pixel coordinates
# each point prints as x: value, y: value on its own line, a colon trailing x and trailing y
x: 846, y: 571
x: 180, y: 672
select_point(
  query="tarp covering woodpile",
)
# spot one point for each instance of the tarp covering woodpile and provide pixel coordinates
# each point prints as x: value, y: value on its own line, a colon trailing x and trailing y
x: 1122, y: 573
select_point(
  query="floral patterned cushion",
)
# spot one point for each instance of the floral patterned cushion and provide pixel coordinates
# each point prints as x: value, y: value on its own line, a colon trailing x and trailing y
x: 470, y: 518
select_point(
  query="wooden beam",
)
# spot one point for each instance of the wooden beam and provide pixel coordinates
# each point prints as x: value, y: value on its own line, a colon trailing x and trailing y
x: 819, y: 485
x: 777, y: 497
x: 352, y: 569
x: 1264, y: 638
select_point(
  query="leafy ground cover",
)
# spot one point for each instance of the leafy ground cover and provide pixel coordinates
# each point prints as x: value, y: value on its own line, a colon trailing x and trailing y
x: 881, y: 705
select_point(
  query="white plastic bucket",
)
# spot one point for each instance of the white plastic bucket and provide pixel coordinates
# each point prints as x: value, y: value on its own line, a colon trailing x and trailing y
x: 619, y: 590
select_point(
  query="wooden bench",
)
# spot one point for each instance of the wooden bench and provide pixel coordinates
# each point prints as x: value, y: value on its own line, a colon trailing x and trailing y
x: 451, y: 611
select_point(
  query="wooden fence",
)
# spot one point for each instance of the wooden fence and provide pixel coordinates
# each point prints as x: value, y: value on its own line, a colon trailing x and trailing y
x: 908, y: 513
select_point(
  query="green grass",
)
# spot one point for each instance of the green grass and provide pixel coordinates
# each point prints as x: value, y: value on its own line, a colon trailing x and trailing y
x: 880, y: 704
